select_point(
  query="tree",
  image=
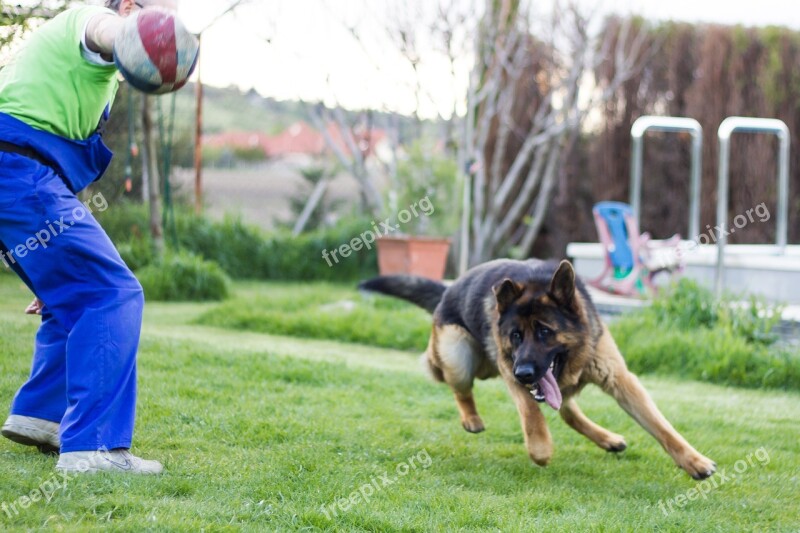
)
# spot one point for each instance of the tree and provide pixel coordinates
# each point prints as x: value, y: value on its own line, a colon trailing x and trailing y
x: 352, y: 150
x: 416, y: 34
x: 150, y: 181
x: 530, y: 97
x: 15, y: 20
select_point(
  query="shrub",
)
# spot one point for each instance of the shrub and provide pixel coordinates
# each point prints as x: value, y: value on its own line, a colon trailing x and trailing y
x: 183, y: 277
x: 687, y: 305
x: 137, y: 253
x: 422, y: 174
x: 125, y: 221
x: 244, y: 251
x: 687, y: 332
x: 249, y: 154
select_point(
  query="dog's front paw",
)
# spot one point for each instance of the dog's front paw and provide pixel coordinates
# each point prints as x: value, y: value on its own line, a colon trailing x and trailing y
x: 473, y: 424
x: 698, y: 466
x: 541, y: 451
x: 540, y: 458
x: 614, y: 443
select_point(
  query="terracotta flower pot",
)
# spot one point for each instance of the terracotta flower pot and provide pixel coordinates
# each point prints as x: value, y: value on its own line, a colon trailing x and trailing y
x: 419, y: 256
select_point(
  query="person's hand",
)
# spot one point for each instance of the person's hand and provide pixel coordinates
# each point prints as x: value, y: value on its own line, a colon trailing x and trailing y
x: 35, y: 307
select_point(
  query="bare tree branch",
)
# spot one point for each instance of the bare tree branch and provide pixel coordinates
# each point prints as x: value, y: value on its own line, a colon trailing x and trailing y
x: 354, y: 162
x: 520, y: 156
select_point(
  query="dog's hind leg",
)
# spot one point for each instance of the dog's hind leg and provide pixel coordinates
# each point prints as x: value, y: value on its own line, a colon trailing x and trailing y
x: 578, y: 421
x: 454, y: 355
x: 610, y: 372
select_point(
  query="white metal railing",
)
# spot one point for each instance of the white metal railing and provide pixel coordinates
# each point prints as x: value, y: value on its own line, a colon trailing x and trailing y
x: 673, y: 125
x: 750, y: 125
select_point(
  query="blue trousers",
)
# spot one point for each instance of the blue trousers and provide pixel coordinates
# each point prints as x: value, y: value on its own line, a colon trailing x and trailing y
x: 84, y: 361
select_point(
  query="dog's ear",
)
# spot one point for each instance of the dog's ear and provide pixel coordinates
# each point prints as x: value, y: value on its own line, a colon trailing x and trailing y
x: 562, y: 286
x: 506, y: 292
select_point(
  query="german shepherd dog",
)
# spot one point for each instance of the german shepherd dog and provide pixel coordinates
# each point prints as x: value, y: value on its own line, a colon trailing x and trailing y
x: 534, y: 324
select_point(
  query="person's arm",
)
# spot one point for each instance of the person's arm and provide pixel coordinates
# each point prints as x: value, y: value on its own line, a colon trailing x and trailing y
x: 100, y: 33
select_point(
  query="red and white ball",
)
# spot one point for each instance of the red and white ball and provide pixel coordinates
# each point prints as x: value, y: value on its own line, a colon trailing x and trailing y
x: 154, y: 51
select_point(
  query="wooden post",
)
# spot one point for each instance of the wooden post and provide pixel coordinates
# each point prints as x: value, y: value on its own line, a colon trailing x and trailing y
x: 150, y: 176
x: 198, y: 142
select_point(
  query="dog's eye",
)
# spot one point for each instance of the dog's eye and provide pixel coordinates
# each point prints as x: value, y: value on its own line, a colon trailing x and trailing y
x: 516, y: 338
x: 543, y: 333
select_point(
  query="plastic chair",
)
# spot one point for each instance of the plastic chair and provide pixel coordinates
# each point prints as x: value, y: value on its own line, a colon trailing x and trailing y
x: 632, y: 259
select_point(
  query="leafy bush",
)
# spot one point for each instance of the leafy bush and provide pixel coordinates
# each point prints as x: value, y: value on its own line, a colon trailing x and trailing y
x: 125, y: 221
x: 250, y: 154
x: 422, y: 175
x: 230, y: 156
x: 244, y: 251
x: 137, y: 253
x: 688, y: 333
x: 181, y: 277
x: 687, y: 305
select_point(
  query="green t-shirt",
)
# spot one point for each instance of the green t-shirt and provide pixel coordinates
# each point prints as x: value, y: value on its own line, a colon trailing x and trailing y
x: 50, y: 86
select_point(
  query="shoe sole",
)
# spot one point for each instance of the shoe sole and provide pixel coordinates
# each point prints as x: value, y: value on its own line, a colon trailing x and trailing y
x: 88, y: 471
x: 43, y: 447
x: 71, y: 470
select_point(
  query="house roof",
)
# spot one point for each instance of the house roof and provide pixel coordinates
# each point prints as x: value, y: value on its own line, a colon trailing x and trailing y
x: 299, y: 138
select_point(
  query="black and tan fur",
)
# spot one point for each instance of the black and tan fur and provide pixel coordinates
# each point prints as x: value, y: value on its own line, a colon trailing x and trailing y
x: 515, y: 319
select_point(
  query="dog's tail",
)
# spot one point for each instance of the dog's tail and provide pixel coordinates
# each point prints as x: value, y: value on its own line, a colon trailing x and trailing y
x: 420, y: 291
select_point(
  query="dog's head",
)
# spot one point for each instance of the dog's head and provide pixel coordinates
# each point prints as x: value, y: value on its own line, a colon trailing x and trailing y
x: 538, y: 323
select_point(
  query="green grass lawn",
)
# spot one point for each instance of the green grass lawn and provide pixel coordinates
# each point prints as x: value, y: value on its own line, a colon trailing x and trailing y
x: 262, y: 432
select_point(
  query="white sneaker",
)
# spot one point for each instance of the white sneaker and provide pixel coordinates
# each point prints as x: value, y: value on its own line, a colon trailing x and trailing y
x: 107, y: 461
x: 32, y: 432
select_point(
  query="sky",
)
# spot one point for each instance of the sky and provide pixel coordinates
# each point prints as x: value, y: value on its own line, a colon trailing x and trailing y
x: 304, y: 49
x: 291, y: 49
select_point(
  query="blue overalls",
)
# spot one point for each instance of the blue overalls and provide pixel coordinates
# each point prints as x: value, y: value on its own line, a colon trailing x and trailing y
x: 84, y: 360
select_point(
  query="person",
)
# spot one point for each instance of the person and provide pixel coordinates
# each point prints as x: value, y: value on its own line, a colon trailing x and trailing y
x: 55, y: 95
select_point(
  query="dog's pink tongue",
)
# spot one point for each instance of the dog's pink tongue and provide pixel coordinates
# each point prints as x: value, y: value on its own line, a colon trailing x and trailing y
x: 549, y: 387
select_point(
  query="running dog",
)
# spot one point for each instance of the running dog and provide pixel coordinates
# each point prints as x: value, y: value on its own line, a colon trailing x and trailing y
x: 534, y: 324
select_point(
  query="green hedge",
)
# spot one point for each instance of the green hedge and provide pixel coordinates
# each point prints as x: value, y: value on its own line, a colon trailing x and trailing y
x: 244, y: 251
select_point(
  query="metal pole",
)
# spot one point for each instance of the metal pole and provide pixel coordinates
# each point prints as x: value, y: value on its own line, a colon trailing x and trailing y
x: 782, y: 225
x: 636, y: 172
x: 722, y: 205
x: 750, y: 125
x: 696, y: 179
x: 671, y: 125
